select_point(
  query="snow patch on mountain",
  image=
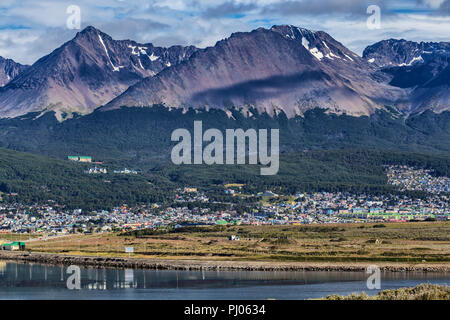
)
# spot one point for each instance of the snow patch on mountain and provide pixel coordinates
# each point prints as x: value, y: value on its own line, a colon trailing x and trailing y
x: 305, y: 43
x: 413, y: 60
x: 316, y: 53
x: 115, y: 69
x: 349, y: 57
x: 153, y: 57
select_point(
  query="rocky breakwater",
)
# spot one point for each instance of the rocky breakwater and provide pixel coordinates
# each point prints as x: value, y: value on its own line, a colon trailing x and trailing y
x: 135, y: 263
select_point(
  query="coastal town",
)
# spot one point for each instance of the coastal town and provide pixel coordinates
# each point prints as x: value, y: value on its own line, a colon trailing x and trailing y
x: 410, y: 179
x: 317, y: 208
x: 193, y: 207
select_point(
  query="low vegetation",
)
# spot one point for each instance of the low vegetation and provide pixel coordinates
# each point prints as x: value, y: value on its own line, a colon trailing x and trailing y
x: 420, y: 292
x: 415, y: 242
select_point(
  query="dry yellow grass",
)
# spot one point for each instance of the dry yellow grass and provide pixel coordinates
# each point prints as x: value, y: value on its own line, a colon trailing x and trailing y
x: 396, y: 242
x: 420, y: 292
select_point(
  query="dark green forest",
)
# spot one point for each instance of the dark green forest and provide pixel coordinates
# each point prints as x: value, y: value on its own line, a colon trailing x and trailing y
x: 37, y: 179
x: 142, y: 135
x: 319, y: 152
x: 310, y: 171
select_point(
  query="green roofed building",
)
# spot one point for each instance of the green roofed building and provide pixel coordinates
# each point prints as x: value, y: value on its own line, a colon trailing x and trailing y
x: 13, y: 246
x: 80, y: 158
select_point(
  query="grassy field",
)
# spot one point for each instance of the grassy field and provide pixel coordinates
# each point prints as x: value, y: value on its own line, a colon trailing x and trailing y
x: 11, y: 237
x: 391, y: 242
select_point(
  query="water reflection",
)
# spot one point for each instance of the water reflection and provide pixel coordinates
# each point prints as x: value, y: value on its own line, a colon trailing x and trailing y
x: 25, y: 277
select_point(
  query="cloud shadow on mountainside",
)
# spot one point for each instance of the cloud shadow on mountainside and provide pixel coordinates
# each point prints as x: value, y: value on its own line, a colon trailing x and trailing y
x: 260, y: 89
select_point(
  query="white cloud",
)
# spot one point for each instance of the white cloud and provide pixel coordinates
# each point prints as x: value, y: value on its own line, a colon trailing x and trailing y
x: 433, y: 3
x: 30, y: 29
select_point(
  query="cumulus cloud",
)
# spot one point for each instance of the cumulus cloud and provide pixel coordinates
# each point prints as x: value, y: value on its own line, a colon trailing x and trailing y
x: 323, y: 7
x: 430, y: 3
x: 444, y: 8
x: 232, y: 9
x: 30, y: 29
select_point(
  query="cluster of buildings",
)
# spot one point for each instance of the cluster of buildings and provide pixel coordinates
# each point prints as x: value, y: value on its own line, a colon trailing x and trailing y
x: 343, y: 207
x: 42, y: 219
x: 189, y: 194
x: 53, y: 220
x: 96, y: 170
x: 412, y: 179
x: 193, y: 207
x: 125, y: 171
x: 305, y: 208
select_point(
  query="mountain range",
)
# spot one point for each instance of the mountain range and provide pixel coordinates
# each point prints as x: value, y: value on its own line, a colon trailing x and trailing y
x: 85, y: 73
x: 422, y: 68
x: 284, y: 68
x: 9, y: 69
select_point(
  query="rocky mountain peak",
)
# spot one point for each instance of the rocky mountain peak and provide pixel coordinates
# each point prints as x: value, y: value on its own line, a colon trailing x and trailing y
x: 393, y: 52
x: 283, y: 68
x: 84, y: 73
x: 9, y: 69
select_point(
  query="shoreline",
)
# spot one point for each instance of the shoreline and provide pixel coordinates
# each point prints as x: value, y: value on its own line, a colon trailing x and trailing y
x: 214, y: 265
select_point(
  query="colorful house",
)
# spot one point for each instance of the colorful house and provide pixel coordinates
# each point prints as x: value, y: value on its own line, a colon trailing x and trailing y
x: 85, y: 159
x: 80, y: 158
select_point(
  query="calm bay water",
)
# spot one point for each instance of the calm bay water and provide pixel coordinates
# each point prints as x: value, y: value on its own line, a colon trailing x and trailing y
x: 37, y: 281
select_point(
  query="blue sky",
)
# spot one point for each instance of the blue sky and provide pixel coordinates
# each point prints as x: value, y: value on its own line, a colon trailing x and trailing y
x: 30, y: 29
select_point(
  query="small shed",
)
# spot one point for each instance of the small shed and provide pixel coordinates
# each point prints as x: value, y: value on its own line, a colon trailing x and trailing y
x: 13, y: 246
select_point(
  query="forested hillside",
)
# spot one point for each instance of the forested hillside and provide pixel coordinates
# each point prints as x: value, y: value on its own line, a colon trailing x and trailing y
x: 142, y: 135
x: 30, y: 179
